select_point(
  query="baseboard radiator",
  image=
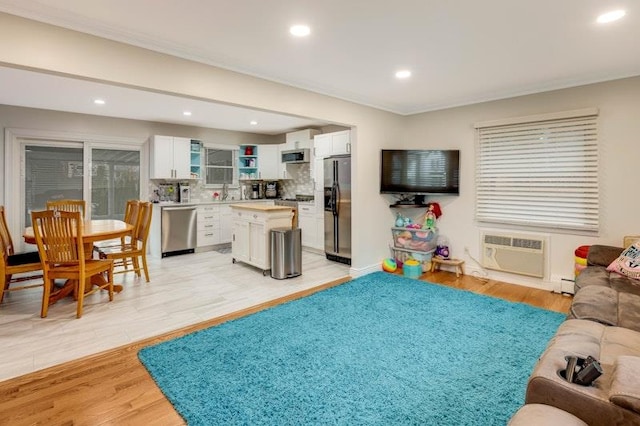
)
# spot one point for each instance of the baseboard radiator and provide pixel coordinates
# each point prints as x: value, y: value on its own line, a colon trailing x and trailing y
x: 518, y: 254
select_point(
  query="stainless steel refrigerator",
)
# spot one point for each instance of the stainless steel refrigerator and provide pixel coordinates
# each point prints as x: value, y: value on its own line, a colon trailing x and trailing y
x: 337, y: 208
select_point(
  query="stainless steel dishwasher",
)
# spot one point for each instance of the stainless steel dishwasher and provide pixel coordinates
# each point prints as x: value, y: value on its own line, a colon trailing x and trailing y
x: 179, y: 230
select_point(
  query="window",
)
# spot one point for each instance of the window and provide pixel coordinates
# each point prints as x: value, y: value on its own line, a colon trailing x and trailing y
x: 539, y: 171
x: 220, y: 166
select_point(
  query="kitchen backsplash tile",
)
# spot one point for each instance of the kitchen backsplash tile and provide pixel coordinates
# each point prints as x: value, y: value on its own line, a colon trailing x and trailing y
x: 300, y: 183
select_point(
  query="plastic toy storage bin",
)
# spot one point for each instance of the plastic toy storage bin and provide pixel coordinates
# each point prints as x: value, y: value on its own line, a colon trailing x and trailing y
x: 401, y: 255
x: 418, y: 240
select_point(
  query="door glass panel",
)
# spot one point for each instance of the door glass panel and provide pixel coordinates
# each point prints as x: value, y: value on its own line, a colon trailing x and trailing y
x: 51, y: 173
x: 115, y: 178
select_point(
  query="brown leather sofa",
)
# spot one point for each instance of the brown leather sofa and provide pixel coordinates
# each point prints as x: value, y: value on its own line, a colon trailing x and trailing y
x: 604, y: 323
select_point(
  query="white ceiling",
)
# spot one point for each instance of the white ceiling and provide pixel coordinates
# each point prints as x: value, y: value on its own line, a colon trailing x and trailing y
x: 460, y: 52
x: 38, y: 90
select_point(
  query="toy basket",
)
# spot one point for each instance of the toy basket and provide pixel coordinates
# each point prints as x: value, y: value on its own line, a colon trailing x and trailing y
x: 401, y: 255
x: 414, y: 239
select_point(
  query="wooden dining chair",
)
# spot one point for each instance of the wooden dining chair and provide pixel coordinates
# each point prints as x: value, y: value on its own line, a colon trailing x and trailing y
x: 136, y: 250
x: 69, y: 206
x: 59, y: 238
x: 130, y: 216
x: 12, y: 264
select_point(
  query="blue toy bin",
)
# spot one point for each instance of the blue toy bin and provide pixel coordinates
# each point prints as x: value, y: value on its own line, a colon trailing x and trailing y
x: 412, y: 271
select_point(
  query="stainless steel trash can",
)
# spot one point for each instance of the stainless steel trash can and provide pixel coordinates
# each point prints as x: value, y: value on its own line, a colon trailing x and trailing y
x: 286, y: 253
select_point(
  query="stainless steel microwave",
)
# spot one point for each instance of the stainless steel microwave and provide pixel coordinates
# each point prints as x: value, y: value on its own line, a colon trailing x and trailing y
x: 296, y: 156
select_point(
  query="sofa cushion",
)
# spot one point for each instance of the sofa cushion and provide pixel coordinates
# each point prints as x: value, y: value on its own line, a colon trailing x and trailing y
x: 607, y: 306
x: 596, y: 303
x: 539, y: 414
x: 601, y: 255
x: 625, y: 386
x: 589, y: 403
x: 599, y: 276
x: 628, y: 263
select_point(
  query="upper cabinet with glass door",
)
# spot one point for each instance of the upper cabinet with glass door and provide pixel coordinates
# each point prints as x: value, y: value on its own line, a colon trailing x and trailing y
x: 196, y: 159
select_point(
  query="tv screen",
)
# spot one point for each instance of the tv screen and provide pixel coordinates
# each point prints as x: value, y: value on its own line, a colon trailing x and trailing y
x: 419, y: 172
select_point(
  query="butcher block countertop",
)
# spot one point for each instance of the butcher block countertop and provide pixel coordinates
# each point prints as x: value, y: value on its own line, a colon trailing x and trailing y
x: 259, y: 207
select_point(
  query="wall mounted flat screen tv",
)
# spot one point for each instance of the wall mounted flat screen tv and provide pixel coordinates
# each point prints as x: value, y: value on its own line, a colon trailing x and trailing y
x: 419, y: 172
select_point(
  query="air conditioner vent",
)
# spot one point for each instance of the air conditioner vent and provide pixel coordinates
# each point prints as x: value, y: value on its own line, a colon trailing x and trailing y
x: 497, y: 240
x: 526, y: 243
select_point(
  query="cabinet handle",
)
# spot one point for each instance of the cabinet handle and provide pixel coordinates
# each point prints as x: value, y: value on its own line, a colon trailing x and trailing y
x: 349, y: 147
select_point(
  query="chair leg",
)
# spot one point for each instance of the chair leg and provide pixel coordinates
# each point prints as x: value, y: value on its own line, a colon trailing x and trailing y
x: 81, y: 285
x: 4, y: 286
x: 110, y: 278
x: 46, y: 292
x: 146, y: 268
x: 136, y: 265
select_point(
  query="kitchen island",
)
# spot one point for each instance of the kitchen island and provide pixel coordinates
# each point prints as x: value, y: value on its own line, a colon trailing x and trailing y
x: 252, y: 224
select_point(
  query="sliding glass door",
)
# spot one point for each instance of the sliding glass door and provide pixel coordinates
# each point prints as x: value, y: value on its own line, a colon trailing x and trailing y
x: 115, y: 178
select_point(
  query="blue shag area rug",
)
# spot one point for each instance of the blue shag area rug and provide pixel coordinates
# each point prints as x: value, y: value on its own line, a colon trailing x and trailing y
x: 381, y: 349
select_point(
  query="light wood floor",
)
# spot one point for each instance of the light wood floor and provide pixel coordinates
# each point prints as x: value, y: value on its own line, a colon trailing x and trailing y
x: 114, y: 388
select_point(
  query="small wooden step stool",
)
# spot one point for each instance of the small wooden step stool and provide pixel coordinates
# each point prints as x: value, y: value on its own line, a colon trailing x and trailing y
x: 436, y: 262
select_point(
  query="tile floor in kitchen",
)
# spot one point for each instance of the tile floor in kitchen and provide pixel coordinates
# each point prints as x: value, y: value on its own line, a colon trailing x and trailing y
x: 184, y: 290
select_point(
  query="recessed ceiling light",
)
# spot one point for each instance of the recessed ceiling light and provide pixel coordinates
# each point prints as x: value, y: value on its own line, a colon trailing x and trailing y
x: 403, y: 74
x: 614, y: 15
x: 253, y: 122
x: 99, y: 101
x: 187, y: 113
x: 300, y: 30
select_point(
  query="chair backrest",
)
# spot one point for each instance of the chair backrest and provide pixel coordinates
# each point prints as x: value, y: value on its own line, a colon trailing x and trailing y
x: 68, y: 206
x: 59, y: 236
x: 143, y: 224
x: 5, y: 236
x: 131, y: 212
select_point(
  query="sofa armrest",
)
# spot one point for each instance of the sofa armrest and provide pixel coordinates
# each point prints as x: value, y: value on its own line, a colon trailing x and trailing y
x: 625, y: 387
x: 600, y: 255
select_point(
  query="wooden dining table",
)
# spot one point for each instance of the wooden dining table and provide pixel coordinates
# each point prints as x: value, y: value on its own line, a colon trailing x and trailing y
x: 93, y: 231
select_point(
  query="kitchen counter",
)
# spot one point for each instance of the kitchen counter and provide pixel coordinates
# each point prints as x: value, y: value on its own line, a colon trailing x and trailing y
x: 201, y: 203
x: 260, y: 207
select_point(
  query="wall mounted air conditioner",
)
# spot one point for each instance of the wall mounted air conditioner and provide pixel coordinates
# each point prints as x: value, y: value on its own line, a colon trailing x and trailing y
x: 518, y: 254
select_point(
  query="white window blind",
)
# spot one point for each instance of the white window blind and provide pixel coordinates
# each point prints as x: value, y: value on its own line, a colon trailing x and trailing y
x: 541, y: 172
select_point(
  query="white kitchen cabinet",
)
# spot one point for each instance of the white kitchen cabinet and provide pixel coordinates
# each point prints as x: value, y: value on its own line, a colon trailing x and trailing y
x: 170, y: 157
x: 307, y: 224
x: 312, y: 233
x: 336, y: 143
x: 252, y: 224
x: 225, y: 224
x: 318, y: 174
x: 208, y: 219
x: 269, y: 162
x: 300, y: 139
x: 283, y: 173
x: 240, y: 243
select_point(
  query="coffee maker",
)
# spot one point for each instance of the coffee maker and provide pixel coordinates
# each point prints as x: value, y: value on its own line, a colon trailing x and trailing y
x: 256, y: 191
x: 184, y: 193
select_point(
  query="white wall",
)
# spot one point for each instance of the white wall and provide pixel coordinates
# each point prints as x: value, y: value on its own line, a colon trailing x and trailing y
x: 619, y: 130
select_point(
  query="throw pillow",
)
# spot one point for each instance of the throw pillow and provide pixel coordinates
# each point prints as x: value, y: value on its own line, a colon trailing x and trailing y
x: 628, y: 263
